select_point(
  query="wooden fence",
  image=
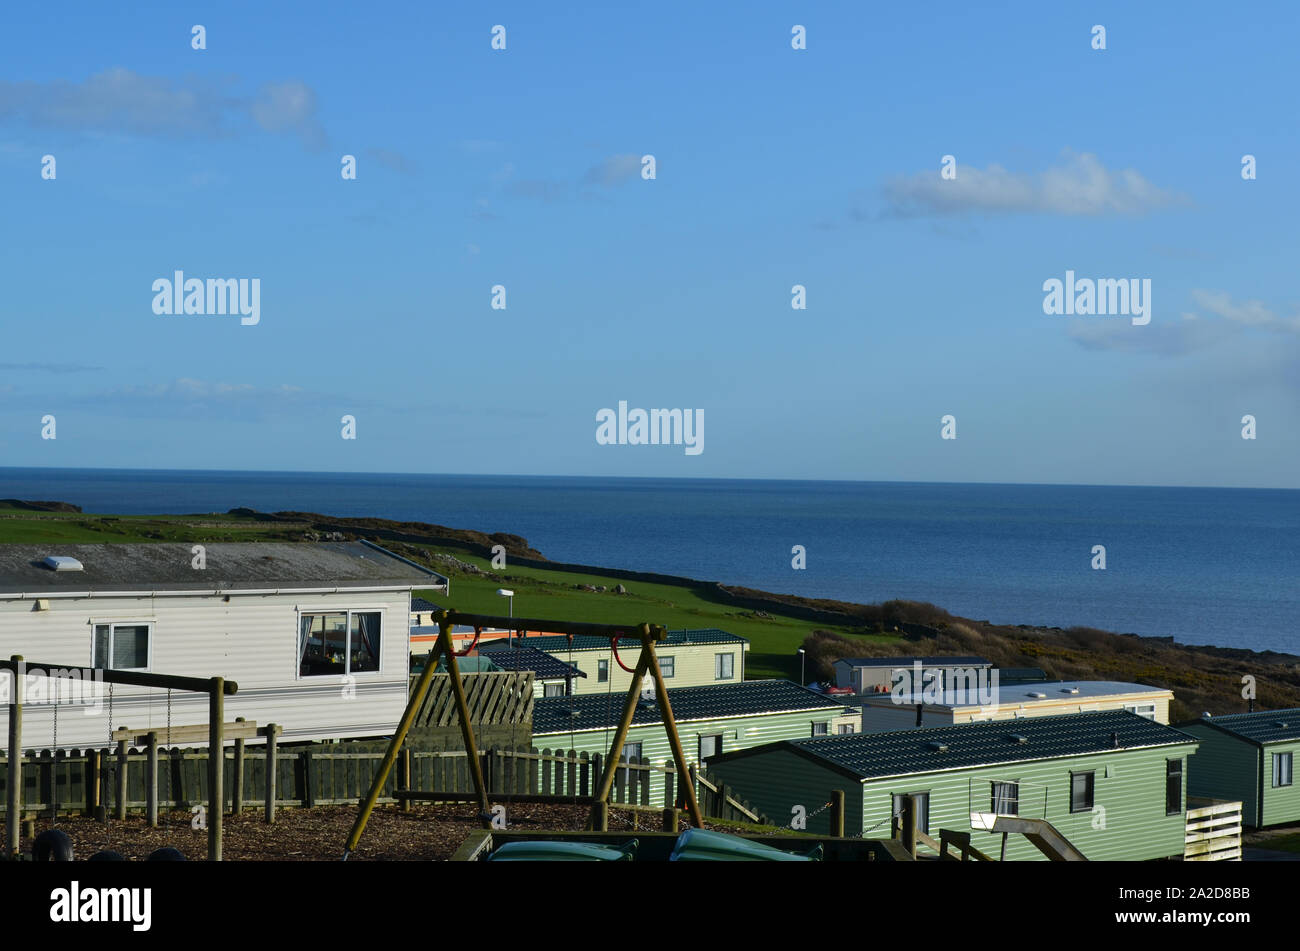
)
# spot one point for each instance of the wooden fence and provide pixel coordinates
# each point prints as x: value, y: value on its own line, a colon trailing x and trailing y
x: 340, y: 773
x: 494, y: 698
x: 1213, y: 831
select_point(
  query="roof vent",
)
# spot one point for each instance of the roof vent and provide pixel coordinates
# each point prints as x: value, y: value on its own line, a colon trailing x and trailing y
x: 62, y: 563
x: 1280, y: 724
x: 938, y: 747
x: 1017, y: 738
x: 1036, y: 695
x: 1069, y: 690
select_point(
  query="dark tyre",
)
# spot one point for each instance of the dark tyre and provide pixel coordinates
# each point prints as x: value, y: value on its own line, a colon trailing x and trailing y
x: 165, y: 855
x: 52, y: 845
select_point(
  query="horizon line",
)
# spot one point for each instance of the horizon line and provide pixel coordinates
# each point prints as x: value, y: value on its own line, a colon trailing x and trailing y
x: 507, y: 475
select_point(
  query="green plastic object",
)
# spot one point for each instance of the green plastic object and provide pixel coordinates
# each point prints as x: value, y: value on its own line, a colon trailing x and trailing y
x: 700, y: 845
x: 564, y: 852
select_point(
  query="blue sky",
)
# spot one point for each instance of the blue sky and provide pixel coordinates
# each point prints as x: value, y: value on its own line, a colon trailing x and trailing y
x: 775, y: 167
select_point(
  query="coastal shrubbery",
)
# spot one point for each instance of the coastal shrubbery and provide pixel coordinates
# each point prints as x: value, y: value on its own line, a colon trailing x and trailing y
x: 1202, y: 678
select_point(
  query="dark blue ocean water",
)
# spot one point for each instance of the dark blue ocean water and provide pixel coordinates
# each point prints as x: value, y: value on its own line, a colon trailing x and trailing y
x: 1208, y: 566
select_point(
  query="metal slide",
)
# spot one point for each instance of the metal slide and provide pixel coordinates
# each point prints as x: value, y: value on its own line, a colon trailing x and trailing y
x: 1045, y: 837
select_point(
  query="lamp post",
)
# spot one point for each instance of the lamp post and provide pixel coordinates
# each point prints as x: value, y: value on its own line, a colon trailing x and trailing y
x: 802, y: 657
x: 507, y: 593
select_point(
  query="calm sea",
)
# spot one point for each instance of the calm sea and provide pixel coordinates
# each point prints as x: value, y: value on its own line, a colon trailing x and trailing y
x: 1208, y: 566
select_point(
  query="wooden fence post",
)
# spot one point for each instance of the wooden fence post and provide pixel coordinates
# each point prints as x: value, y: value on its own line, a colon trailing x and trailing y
x: 15, y: 788
x: 404, y: 777
x: 272, y: 731
x: 151, y: 779
x: 309, y: 778
x: 216, y: 765
x: 92, y: 783
x: 837, y: 813
x: 670, y: 819
x: 237, y: 792
x: 119, y: 807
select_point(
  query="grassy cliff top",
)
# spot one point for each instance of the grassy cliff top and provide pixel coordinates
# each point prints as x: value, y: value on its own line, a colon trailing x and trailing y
x: 1202, y: 678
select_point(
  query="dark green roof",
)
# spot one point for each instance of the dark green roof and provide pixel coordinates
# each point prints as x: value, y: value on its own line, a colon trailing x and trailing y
x: 875, y: 755
x: 715, y: 701
x: 1263, y: 726
x: 559, y: 644
x: 518, y: 656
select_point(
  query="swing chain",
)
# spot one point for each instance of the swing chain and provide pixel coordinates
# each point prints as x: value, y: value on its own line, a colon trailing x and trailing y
x: 167, y: 811
x: 54, y: 767
x: 112, y: 769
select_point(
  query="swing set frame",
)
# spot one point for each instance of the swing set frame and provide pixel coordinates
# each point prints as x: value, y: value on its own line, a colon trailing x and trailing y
x: 648, y: 663
x: 216, y: 688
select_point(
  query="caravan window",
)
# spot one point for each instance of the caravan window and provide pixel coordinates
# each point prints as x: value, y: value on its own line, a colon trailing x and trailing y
x: 338, y: 643
x: 1005, y: 799
x: 121, y: 646
x: 922, y: 811
x: 1173, y: 786
x: 724, y: 666
x: 1082, y: 790
x: 1281, y: 769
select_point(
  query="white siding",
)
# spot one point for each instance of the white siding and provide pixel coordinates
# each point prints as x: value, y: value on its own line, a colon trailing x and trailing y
x: 252, y: 639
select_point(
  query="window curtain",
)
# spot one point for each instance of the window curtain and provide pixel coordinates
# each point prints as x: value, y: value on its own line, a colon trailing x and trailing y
x: 368, y: 626
x: 1004, y: 799
x: 304, y: 631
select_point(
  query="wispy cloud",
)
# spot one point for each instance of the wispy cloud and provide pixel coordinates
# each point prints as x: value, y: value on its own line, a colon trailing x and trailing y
x: 615, y: 170
x: 540, y: 189
x: 395, y: 161
x: 1079, y: 186
x: 191, y: 399
x: 289, y: 107
x: 122, y: 101
x: 1167, y: 338
x: 1192, y: 331
x: 50, y: 367
x: 1251, y: 313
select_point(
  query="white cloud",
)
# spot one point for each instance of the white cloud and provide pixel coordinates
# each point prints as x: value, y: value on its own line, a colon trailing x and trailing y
x: 289, y: 107
x: 1165, y: 338
x: 1191, y: 332
x: 1081, y: 185
x: 122, y: 101
x: 1251, y: 313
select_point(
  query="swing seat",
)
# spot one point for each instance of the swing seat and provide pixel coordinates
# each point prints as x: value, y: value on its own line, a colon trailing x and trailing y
x: 564, y: 852
x: 701, y: 845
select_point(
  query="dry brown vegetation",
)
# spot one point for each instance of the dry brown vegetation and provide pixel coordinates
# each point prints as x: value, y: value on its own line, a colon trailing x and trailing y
x: 1202, y: 678
x: 427, y: 833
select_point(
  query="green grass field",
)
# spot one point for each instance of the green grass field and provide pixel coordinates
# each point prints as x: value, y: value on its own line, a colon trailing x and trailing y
x: 539, y: 593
